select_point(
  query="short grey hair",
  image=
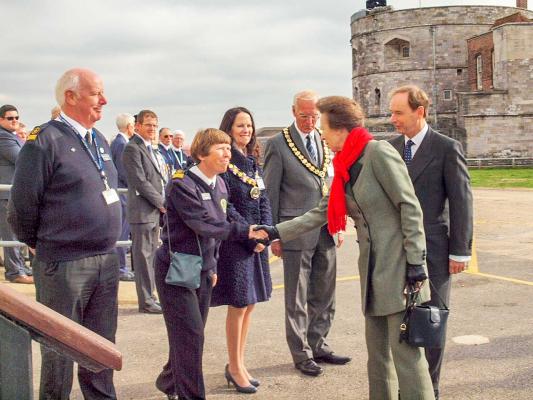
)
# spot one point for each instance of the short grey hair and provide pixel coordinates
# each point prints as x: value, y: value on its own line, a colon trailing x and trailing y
x: 70, y: 80
x: 307, y: 94
x: 179, y: 133
x: 123, y: 120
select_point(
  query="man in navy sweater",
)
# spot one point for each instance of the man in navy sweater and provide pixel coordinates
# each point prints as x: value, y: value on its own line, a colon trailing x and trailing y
x: 65, y: 206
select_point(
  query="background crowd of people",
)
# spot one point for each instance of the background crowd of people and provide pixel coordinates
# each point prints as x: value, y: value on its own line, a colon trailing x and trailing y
x: 216, y: 202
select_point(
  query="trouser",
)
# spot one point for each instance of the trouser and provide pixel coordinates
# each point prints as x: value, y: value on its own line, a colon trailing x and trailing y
x: 124, y: 235
x: 83, y: 290
x: 144, y: 239
x: 13, y: 259
x: 442, y: 284
x: 309, y: 280
x: 185, y: 312
x: 392, y: 365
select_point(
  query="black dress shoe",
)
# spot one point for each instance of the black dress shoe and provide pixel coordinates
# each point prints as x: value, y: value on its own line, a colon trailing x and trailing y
x: 153, y: 309
x: 436, y: 391
x: 333, y: 359
x: 309, y: 367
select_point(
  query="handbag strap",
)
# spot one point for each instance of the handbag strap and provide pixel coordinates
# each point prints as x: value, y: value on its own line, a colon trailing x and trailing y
x: 168, y: 237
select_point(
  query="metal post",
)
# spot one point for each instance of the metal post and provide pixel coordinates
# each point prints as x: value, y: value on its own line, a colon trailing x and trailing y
x: 433, y: 30
x: 16, y: 377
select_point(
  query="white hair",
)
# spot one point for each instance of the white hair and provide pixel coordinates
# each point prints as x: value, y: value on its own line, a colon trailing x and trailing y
x: 307, y: 94
x: 70, y: 80
x: 123, y: 120
x: 180, y: 133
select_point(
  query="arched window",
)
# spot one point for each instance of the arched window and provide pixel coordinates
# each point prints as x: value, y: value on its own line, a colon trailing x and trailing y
x: 377, y: 98
x: 356, y: 93
x: 479, y: 72
x: 397, y: 49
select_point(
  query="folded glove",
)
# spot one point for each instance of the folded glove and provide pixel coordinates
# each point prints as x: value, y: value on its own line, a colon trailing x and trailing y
x: 272, y: 232
x: 415, y: 273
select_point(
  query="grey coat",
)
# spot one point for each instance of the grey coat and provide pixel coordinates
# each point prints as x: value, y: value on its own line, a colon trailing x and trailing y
x: 10, y: 146
x: 388, y: 220
x: 145, y: 183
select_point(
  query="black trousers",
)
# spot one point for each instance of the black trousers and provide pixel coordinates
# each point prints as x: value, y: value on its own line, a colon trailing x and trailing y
x: 185, y: 313
x: 85, y: 291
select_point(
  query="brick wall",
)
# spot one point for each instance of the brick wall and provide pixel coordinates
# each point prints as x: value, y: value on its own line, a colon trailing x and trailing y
x: 480, y: 46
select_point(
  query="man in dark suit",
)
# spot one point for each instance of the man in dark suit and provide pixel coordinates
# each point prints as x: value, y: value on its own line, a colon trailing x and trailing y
x: 165, y: 148
x: 182, y: 159
x: 10, y: 145
x: 439, y: 174
x: 296, y: 166
x: 145, y: 205
x: 126, y: 125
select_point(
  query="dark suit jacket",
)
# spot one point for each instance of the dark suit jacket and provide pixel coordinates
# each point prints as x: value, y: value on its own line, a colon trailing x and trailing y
x: 291, y: 187
x: 10, y: 146
x: 442, y: 184
x: 145, y: 183
x: 117, y: 148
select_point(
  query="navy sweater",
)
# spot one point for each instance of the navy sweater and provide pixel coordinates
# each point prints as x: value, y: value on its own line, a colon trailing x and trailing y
x: 56, y: 203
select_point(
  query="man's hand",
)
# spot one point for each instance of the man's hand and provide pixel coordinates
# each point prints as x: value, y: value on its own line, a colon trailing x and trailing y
x: 259, y: 247
x: 340, y: 239
x: 415, y: 274
x: 276, y: 249
x: 457, y: 266
x: 272, y: 232
x: 256, y: 233
x: 162, y: 210
x: 214, y: 279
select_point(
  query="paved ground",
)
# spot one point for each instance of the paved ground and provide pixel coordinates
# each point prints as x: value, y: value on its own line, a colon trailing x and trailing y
x: 495, y: 303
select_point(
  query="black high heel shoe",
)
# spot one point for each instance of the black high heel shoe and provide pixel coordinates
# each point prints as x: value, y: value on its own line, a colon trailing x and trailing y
x: 241, y: 389
x: 254, y: 382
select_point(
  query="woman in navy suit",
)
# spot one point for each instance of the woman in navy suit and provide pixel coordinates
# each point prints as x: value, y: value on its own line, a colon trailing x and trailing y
x: 244, y: 274
x: 196, y: 219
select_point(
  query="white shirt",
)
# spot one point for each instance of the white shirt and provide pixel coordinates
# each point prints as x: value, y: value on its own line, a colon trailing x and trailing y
x: 82, y: 131
x: 304, y: 139
x: 210, y: 182
x: 417, y: 139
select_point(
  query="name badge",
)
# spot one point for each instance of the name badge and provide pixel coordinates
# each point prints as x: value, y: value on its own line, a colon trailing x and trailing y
x: 110, y: 196
x: 106, y: 157
x: 206, y: 196
x: 330, y: 170
x: 260, y: 183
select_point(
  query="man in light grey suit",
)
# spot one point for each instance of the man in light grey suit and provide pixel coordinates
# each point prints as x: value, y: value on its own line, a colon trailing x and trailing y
x: 439, y: 174
x: 145, y: 205
x: 10, y: 145
x: 296, y: 166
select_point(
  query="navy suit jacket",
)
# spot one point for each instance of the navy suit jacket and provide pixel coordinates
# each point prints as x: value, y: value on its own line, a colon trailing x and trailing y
x: 117, y: 148
x: 10, y: 146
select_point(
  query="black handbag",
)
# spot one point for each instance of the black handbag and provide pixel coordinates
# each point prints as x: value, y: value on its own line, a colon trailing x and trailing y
x: 423, y: 325
x: 184, y: 269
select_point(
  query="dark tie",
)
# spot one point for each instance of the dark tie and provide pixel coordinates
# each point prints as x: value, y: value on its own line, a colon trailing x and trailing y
x: 407, y: 155
x: 310, y: 149
x: 89, y: 138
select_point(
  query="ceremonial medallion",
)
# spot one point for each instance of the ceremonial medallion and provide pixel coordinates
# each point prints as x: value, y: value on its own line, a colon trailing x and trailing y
x: 255, y: 193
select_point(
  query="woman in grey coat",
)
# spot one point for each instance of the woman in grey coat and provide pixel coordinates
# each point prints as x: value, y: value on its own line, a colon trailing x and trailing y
x: 372, y: 186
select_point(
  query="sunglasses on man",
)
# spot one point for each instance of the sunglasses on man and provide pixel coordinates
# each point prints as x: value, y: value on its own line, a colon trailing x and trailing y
x: 11, y: 118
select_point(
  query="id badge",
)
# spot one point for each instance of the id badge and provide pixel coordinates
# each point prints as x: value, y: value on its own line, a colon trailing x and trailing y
x: 206, y: 196
x: 110, y: 196
x: 260, y: 183
x: 330, y: 170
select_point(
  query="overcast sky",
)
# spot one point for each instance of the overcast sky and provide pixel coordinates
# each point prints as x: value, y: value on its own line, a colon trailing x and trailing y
x: 187, y: 60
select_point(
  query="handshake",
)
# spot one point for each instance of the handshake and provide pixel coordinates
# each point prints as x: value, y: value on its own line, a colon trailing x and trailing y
x: 263, y: 234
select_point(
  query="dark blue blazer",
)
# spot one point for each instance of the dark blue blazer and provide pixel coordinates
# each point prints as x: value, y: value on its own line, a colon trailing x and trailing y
x: 117, y: 148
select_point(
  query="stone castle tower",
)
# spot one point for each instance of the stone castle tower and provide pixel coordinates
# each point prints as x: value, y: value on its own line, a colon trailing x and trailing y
x: 424, y: 46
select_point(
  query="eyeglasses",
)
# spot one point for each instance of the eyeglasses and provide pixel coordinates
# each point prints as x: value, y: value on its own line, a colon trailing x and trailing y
x: 12, y: 118
x: 167, y: 136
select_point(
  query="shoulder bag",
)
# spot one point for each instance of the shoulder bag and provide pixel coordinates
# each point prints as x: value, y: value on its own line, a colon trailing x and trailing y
x: 184, y: 269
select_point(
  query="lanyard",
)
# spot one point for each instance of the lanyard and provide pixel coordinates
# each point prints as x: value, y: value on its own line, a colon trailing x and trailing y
x: 98, y: 161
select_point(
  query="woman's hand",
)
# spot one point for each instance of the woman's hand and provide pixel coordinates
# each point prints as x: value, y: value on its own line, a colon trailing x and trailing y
x: 214, y: 280
x: 257, y: 235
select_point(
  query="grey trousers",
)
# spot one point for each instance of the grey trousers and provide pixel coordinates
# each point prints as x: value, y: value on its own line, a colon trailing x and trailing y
x: 309, y: 279
x: 392, y: 365
x: 85, y: 291
x: 144, y: 239
x: 13, y: 259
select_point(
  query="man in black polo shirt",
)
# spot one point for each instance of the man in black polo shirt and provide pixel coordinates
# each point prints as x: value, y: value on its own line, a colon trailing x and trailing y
x: 65, y: 206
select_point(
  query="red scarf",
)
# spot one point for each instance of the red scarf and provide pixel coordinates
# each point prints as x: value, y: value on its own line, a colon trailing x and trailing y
x: 351, y: 150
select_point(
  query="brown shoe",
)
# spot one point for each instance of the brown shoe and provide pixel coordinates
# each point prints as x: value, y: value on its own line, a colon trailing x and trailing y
x: 23, y: 279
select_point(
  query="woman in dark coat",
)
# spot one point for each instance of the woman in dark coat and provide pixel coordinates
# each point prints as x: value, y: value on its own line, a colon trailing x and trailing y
x: 196, y: 219
x: 244, y: 274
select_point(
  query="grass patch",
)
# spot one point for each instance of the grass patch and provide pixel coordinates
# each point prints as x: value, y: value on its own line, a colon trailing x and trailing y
x: 502, y: 177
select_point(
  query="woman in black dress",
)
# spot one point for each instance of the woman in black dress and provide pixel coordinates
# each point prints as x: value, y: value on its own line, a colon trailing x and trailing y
x: 244, y: 274
x: 196, y: 219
